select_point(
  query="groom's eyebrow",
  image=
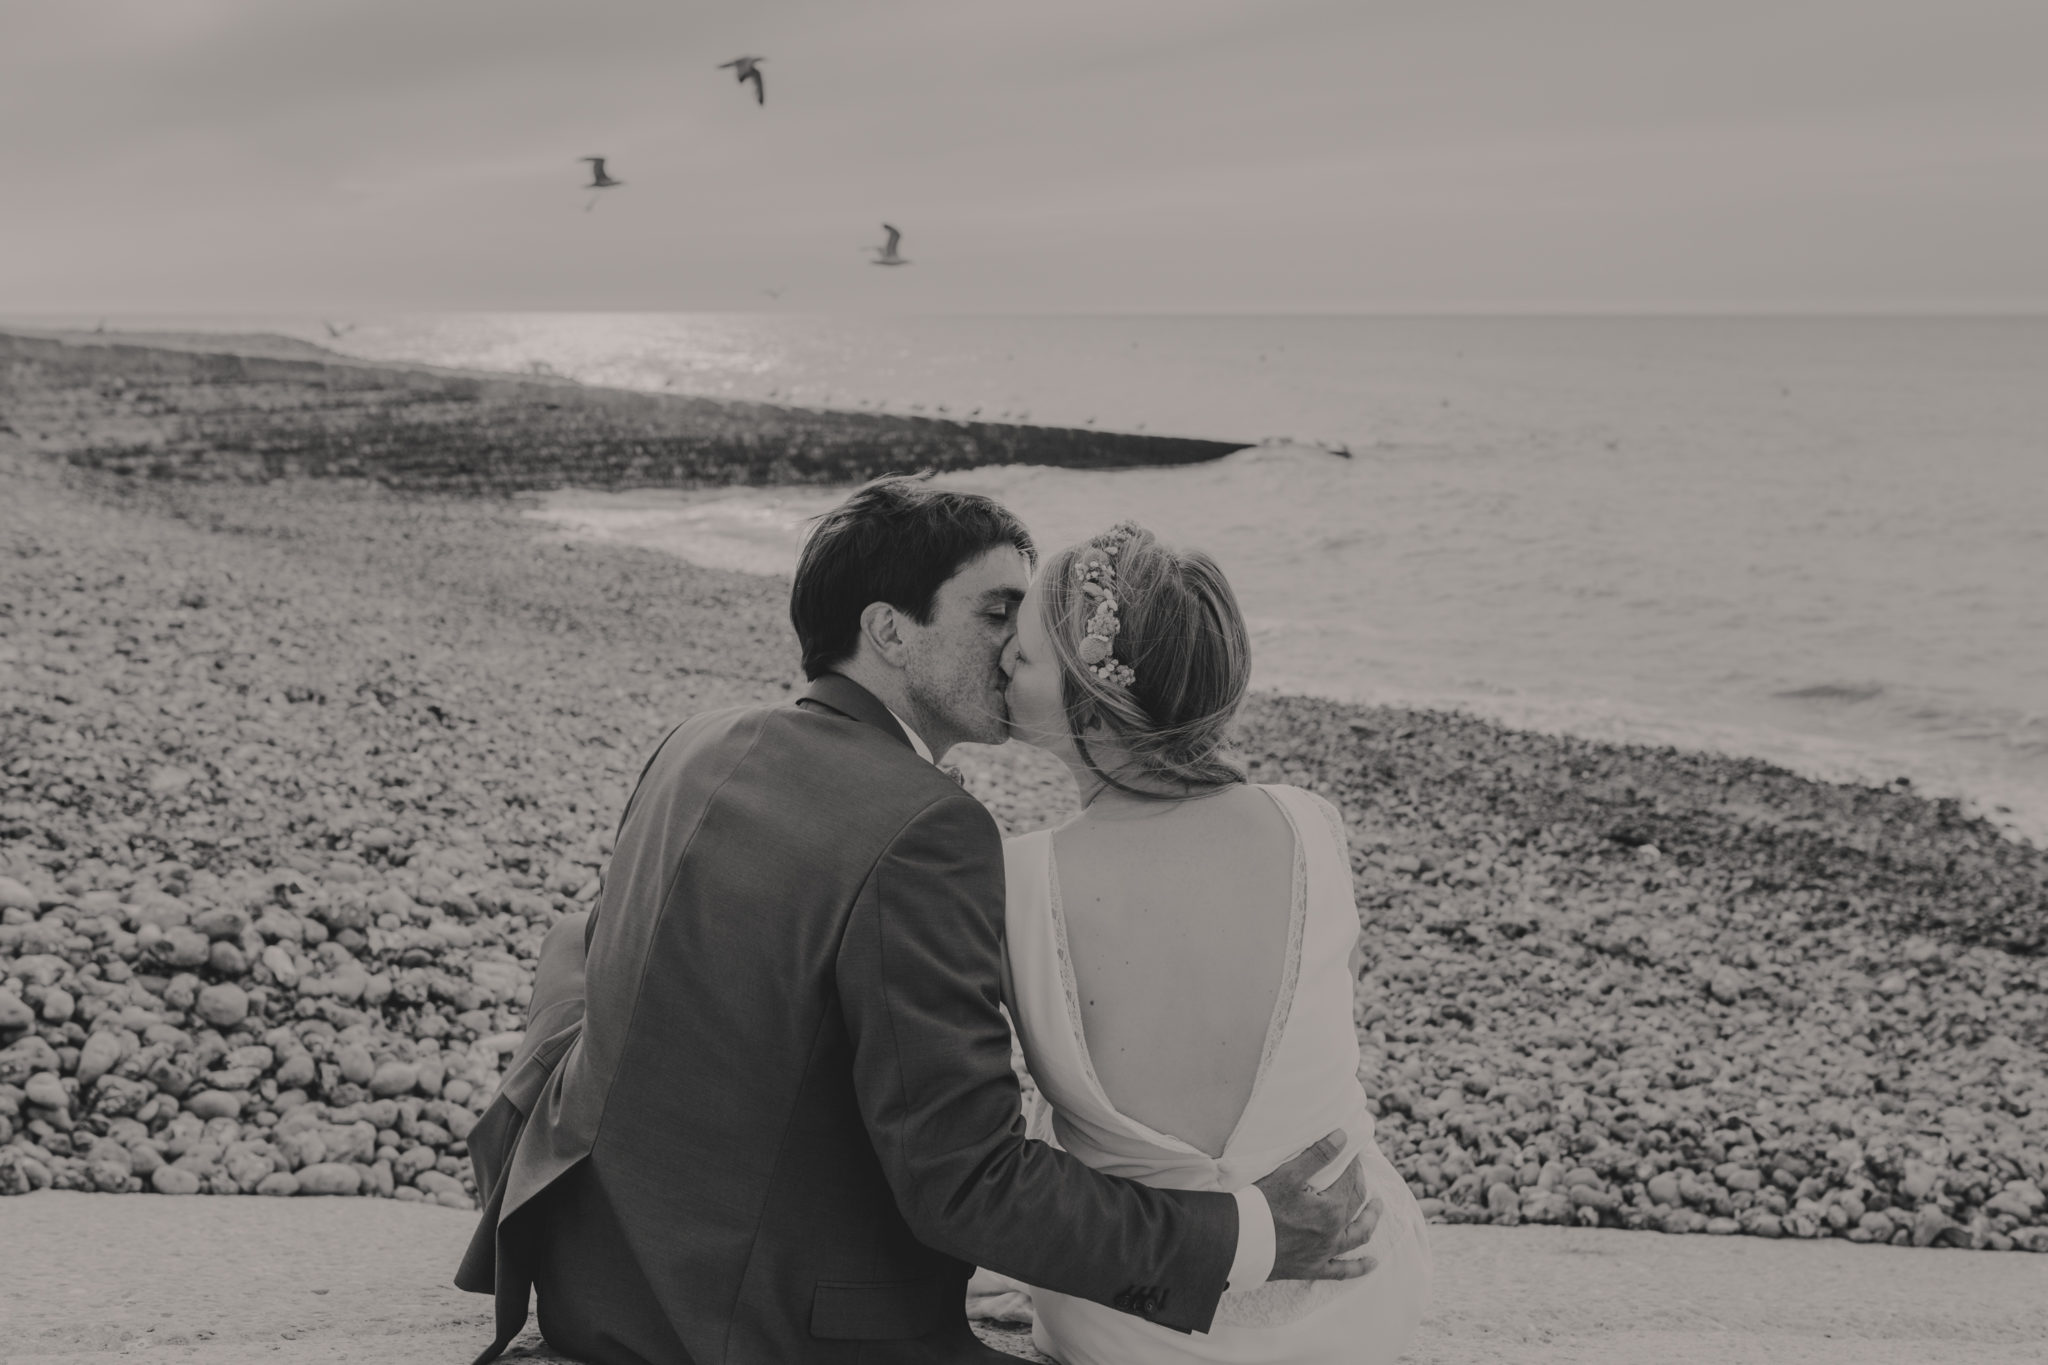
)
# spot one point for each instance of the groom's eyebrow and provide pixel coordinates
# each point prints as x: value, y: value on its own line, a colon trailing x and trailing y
x: 1002, y: 597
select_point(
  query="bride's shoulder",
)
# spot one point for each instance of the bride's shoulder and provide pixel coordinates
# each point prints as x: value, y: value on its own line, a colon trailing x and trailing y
x: 1304, y: 799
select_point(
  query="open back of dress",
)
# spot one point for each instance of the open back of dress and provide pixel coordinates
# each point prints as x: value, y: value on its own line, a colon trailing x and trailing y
x: 1306, y: 1086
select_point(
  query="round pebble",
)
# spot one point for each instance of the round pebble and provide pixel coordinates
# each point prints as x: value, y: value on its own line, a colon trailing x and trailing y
x: 223, y: 1005
x: 215, y: 1104
x: 330, y: 1177
x: 174, y: 1180
x: 47, y: 1089
x: 394, y: 1078
x: 297, y: 1070
x: 99, y: 1055
x: 277, y: 959
x: 14, y: 1013
x: 355, y: 1064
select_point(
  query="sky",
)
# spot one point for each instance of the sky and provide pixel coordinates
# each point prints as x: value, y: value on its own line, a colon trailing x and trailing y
x: 1100, y: 156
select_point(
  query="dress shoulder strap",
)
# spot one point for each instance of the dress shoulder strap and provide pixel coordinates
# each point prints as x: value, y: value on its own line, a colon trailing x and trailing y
x: 1321, y: 826
x: 1024, y: 858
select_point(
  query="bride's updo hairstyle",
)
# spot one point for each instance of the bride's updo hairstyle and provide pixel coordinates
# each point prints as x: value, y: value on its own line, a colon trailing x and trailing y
x: 1175, y: 669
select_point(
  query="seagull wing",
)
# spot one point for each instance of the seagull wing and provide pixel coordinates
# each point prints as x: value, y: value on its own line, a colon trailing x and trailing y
x: 760, y: 89
x: 894, y: 238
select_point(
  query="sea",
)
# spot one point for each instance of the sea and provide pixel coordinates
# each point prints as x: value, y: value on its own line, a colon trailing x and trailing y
x: 1821, y: 541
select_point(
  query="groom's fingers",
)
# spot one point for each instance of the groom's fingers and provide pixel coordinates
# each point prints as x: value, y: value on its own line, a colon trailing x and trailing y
x: 1359, y: 1229
x: 1357, y: 1233
x: 1347, y: 1191
x: 1342, y: 1268
x: 1367, y: 1222
x: 1349, y: 1268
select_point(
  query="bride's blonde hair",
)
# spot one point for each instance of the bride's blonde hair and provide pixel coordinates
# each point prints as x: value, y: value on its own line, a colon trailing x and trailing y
x: 1178, y: 632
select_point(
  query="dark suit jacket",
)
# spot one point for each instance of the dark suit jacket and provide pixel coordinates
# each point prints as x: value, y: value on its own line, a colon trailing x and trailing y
x: 787, y: 1128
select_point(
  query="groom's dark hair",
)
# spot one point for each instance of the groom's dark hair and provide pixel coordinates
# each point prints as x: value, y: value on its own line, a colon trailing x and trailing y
x: 896, y: 540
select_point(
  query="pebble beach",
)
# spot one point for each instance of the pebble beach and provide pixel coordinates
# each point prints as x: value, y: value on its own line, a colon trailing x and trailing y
x: 296, y: 771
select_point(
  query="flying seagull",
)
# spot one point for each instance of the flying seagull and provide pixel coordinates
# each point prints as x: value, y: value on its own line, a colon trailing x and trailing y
x: 598, y: 180
x: 746, y: 69
x: 337, y: 333
x: 885, y: 254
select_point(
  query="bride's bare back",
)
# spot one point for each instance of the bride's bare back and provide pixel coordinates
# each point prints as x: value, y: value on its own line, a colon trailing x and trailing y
x: 1177, y: 922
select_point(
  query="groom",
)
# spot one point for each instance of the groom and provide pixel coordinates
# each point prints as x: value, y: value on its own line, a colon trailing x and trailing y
x: 764, y: 1109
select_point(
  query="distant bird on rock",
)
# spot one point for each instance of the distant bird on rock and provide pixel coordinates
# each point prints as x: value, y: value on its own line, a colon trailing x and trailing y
x: 746, y: 69
x: 598, y: 180
x: 885, y: 254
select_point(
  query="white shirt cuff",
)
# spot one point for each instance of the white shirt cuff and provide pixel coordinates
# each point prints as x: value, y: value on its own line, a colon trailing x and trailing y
x: 1256, y: 1241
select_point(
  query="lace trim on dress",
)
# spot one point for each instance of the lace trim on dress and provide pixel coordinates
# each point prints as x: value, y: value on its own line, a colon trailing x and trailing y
x: 1338, y: 833
x: 1279, y: 1302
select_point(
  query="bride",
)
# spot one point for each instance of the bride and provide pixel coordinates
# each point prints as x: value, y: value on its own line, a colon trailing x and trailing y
x: 1178, y: 951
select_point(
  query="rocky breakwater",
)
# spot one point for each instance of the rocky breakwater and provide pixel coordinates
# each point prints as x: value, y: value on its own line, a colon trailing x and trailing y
x: 182, y: 413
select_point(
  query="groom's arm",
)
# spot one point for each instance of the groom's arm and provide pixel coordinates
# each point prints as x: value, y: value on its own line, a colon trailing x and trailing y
x: 920, y: 980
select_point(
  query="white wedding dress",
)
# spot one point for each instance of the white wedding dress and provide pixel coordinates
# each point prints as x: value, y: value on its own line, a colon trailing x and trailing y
x: 1306, y: 1086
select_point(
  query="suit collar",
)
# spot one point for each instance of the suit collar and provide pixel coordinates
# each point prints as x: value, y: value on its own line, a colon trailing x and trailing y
x: 837, y: 692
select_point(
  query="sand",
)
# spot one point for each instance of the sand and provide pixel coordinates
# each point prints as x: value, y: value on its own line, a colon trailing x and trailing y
x: 94, y: 1278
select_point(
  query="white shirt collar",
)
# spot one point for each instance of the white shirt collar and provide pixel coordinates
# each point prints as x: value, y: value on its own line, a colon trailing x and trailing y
x: 924, y: 750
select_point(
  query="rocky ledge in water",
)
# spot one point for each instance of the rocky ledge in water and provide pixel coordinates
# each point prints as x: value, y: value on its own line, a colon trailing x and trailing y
x: 289, y: 409
x: 293, y: 778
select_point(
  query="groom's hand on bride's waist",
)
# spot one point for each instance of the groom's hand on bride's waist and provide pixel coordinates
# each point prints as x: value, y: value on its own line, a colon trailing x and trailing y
x: 1315, y: 1230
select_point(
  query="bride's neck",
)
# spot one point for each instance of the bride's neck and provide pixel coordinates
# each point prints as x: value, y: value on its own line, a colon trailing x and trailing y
x: 1126, y: 791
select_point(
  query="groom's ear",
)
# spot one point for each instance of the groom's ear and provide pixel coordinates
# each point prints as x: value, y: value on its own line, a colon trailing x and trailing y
x: 881, y: 625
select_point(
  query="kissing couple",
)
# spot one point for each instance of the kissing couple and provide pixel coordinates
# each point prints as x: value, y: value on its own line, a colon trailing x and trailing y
x: 764, y: 1109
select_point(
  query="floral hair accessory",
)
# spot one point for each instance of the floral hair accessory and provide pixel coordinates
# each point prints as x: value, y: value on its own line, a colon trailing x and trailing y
x: 1094, y: 571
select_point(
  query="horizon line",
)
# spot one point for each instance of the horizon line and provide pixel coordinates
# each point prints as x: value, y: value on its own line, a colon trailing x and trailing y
x: 1759, y: 311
